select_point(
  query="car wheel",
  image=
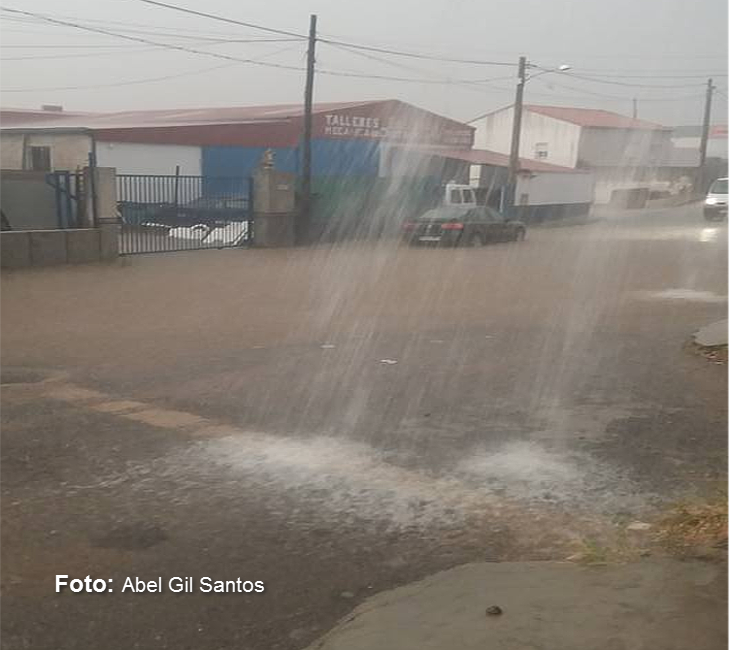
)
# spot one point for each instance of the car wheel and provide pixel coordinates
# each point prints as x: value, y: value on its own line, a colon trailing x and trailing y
x: 475, y: 240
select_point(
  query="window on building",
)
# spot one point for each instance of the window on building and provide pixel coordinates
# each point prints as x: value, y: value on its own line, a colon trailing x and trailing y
x: 541, y: 150
x: 468, y: 196
x: 455, y: 196
x: 40, y: 159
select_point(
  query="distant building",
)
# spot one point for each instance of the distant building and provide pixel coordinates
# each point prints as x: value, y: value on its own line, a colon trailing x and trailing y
x: 621, y: 152
x: 686, y: 140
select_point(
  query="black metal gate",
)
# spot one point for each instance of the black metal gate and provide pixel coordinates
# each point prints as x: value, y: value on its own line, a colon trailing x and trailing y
x: 176, y: 213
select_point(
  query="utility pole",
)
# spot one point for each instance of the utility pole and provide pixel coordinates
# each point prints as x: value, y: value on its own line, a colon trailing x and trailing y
x: 705, y: 136
x: 706, y: 123
x: 635, y: 112
x: 514, y: 154
x: 306, y: 184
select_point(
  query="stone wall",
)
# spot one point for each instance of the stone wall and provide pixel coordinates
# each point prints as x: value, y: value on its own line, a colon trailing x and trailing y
x: 28, y: 248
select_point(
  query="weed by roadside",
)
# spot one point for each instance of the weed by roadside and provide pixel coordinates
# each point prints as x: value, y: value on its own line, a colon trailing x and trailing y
x: 696, y: 528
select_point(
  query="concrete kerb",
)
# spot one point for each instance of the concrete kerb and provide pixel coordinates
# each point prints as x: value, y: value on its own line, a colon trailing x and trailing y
x: 518, y: 605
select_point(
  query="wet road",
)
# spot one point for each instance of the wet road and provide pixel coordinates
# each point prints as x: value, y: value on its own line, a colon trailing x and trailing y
x: 338, y: 420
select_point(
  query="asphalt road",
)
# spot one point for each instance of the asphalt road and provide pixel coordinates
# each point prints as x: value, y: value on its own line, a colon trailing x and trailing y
x: 336, y: 421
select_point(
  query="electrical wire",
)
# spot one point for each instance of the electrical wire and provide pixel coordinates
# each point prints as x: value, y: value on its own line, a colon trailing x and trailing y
x: 147, y: 41
x: 140, y: 81
x: 217, y: 55
x: 573, y: 75
x: 439, y: 80
x: 202, y: 14
x: 367, y: 48
x: 121, y: 83
x: 658, y: 76
x: 590, y: 93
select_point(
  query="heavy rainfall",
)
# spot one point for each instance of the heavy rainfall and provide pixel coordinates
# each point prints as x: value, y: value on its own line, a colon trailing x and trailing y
x: 364, y: 325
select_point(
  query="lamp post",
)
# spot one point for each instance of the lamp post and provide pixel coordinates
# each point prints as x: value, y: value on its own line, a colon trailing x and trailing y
x: 514, y: 154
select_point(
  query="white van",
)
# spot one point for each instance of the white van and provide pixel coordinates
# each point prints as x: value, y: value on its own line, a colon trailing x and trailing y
x: 716, y: 201
x: 462, y: 195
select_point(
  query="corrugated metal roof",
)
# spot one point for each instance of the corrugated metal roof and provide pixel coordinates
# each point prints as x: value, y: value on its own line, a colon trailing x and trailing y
x: 593, y: 117
x: 277, y: 125
x: 20, y: 118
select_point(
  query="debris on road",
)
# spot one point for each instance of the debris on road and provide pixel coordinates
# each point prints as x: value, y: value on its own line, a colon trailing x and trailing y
x: 712, y: 335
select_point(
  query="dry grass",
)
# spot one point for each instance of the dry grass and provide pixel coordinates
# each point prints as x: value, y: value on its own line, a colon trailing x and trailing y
x: 696, y: 526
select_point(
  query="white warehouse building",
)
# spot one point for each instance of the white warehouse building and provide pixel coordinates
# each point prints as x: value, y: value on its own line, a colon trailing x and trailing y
x: 621, y: 152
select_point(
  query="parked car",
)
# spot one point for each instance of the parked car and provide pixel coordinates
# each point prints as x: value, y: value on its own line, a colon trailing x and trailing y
x: 716, y: 201
x: 463, y: 226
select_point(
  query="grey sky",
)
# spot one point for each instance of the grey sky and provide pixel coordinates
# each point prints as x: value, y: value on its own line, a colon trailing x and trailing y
x: 620, y: 37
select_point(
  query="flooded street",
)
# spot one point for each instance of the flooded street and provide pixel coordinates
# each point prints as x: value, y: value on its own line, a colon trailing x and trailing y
x: 339, y: 420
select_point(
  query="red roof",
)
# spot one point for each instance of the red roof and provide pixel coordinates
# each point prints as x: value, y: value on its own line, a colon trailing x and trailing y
x: 276, y: 125
x: 19, y: 118
x: 593, y: 117
x: 495, y: 159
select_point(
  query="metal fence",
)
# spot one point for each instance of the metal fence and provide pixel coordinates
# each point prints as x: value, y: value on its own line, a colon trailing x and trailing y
x: 176, y: 213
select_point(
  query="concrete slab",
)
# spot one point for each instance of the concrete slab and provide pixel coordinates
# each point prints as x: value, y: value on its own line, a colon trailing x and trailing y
x: 713, y: 334
x: 83, y: 245
x: 655, y: 603
x: 15, y: 252
x: 48, y: 247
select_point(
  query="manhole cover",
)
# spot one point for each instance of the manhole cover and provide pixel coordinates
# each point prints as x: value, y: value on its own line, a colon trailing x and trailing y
x: 132, y: 537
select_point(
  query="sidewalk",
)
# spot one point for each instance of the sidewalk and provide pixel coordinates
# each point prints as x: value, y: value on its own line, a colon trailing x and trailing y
x: 647, y: 605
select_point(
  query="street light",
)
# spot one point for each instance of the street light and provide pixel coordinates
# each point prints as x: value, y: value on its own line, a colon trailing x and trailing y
x: 514, y: 155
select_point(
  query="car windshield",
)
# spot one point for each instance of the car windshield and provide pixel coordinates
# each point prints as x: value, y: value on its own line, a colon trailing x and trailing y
x: 719, y: 186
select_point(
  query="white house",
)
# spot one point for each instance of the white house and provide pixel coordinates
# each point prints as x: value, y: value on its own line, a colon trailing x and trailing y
x: 622, y: 152
x: 687, y: 138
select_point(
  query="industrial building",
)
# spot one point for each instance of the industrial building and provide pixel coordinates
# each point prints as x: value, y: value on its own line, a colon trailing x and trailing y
x: 374, y: 163
x: 623, y: 153
x: 349, y: 138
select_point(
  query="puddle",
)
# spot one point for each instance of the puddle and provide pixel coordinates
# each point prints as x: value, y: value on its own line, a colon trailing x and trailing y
x: 690, y: 295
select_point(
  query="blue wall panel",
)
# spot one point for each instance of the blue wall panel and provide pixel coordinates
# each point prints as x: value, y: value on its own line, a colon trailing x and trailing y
x: 241, y: 161
x: 345, y: 157
x: 329, y: 158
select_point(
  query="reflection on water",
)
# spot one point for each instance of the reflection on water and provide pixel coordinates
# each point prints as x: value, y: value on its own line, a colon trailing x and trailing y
x: 709, y: 234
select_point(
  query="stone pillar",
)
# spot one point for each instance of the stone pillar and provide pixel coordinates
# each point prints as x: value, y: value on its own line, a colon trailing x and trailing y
x: 105, y: 189
x: 273, y: 208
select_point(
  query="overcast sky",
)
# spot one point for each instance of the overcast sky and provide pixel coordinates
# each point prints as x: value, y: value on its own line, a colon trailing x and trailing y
x: 642, y: 42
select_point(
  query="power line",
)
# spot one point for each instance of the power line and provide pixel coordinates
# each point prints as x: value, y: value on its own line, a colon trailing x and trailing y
x: 147, y: 41
x: 104, y: 22
x: 217, y: 55
x: 623, y: 83
x: 140, y: 81
x: 439, y: 80
x: 627, y: 98
x: 202, y: 14
x: 658, y: 76
x: 120, y: 83
x: 367, y: 48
